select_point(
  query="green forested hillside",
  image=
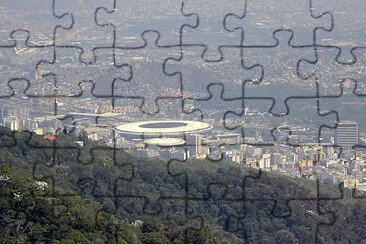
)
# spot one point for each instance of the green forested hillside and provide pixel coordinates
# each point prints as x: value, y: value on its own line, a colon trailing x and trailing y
x: 91, y: 195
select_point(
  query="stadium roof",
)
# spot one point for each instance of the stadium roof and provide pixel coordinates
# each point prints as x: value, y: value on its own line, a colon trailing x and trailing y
x: 164, y: 127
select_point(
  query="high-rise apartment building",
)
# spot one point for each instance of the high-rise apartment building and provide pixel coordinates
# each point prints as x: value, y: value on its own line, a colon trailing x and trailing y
x: 194, y: 142
x: 11, y: 122
x: 346, y: 134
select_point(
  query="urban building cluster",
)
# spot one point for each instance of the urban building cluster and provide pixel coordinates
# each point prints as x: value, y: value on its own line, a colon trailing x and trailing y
x: 334, y: 162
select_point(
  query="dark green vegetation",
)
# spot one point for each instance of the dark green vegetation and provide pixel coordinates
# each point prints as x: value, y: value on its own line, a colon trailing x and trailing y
x: 32, y: 218
x: 92, y: 198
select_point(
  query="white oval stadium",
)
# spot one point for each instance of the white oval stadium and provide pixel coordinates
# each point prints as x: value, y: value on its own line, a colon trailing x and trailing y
x: 165, y: 142
x: 163, y: 128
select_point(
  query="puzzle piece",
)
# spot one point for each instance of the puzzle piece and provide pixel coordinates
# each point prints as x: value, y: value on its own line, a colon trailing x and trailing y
x: 309, y: 121
x: 142, y: 85
x: 226, y: 200
x: 346, y: 30
x: 131, y: 19
x: 331, y: 203
x: 245, y: 121
x: 210, y: 30
x: 303, y: 130
x: 85, y: 28
x: 244, y: 223
x: 349, y: 101
x: 280, y: 205
x: 20, y: 15
x: 17, y: 109
x: 70, y: 72
x: 112, y: 164
x: 197, y: 74
x: 311, y: 211
x: 225, y: 192
x: 283, y: 211
x: 214, y: 114
x: 131, y: 196
x: 21, y: 202
x: 184, y: 169
x: 91, y: 105
x: 53, y: 146
x: 18, y: 61
x: 329, y: 73
x: 259, y: 24
x: 248, y: 225
x: 280, y: 75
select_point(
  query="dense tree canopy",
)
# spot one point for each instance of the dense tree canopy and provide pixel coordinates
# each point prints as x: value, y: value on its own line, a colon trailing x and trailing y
x: 86, y: 195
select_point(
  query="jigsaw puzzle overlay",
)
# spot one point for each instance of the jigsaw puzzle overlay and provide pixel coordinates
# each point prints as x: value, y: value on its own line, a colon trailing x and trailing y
x: 182, y: 121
